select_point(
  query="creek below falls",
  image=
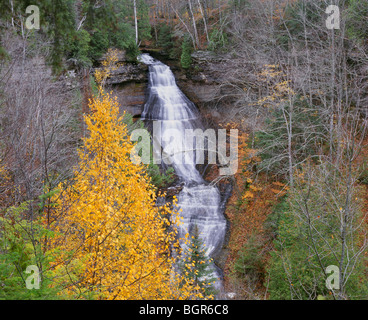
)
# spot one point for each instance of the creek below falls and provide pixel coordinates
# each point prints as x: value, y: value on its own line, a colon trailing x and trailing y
x: 202, y: 205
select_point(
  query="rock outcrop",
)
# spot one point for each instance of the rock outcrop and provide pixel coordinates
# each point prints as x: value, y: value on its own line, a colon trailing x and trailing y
x: 129, y: 84
x: 129, y: 72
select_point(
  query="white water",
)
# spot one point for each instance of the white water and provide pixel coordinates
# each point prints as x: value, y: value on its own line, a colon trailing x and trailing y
x: 200, y: 202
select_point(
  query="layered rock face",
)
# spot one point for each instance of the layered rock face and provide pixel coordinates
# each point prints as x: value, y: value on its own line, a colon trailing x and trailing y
x: 204, y: 83
x: 131, y: 96
x: 129, y: 84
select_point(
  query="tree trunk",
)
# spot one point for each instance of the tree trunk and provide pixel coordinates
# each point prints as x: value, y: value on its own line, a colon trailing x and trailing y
x: 204, y: 20
x: 184, y: 24
x: 135, y: 22
x: 194, y: 24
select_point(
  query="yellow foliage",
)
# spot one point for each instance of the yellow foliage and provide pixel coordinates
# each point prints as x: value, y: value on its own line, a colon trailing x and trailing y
x: 248, y: 195
x: 254, y: 188
x: 109, y: 65
x: 112, y: 242
x: 280, y: 89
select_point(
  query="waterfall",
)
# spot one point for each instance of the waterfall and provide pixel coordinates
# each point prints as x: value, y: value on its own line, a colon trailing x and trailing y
x: 174, y: 112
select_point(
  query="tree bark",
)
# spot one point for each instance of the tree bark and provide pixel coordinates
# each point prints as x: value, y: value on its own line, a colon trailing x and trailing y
x: 135, y: 22
x: 204, y: 20
x: 194, y: 24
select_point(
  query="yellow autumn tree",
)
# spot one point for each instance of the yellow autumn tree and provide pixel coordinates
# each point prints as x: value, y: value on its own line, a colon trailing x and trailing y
x: 111, y: 240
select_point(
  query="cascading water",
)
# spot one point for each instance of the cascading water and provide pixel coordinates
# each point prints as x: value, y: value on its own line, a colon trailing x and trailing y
x: 174, y: 112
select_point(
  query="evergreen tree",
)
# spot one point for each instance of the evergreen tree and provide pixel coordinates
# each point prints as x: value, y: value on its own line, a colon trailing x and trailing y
x: 81, y: 30
x: 196, y: 265
x: 186, y: 59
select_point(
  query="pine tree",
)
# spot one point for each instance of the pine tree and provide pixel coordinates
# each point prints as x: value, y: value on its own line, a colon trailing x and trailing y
x: 186, y: 59
x: 196, y: 265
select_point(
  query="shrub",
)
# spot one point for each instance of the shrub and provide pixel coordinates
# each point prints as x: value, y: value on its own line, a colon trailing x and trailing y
x: 80, y: 48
